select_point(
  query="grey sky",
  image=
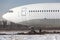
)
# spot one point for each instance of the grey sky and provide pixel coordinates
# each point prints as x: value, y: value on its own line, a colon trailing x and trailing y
x: 5, y: 5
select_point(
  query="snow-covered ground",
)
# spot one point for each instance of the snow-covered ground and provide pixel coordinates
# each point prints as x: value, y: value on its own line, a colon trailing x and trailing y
x: 31, y: 37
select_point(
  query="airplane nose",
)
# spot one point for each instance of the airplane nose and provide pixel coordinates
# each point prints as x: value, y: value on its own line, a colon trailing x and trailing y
x: 8, y: 16
x: 11, y: 17
x: 5, y: 16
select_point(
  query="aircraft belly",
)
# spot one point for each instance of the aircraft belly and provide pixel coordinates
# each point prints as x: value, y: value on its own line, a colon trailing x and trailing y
x: 42, y: 22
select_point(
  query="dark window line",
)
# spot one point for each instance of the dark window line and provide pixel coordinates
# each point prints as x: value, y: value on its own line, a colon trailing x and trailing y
x: 44, y: 10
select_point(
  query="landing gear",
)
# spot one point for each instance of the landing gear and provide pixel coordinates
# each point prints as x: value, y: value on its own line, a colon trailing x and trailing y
x: 32, y: 30
x: 40, y: 31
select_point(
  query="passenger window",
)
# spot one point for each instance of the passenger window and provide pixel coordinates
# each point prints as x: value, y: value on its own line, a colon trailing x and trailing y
x: 40, y: 10
x: 58, y: 10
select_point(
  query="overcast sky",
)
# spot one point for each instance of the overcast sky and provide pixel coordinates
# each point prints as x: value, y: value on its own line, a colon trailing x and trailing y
x: 5, y: 5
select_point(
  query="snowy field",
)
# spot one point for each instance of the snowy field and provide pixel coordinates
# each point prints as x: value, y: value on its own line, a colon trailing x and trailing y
x: 31, y: 37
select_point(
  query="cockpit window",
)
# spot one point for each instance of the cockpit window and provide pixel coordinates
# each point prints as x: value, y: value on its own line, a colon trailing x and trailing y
x: 10, y: 11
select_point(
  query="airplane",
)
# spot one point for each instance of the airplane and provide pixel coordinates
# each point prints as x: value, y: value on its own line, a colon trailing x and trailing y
x: 43, y: 15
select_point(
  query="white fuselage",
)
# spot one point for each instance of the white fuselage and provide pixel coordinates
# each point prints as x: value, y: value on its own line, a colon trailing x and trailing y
x: 40, y: 15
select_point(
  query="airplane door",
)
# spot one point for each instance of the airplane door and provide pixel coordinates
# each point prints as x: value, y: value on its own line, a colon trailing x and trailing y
x: 23, y: 11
